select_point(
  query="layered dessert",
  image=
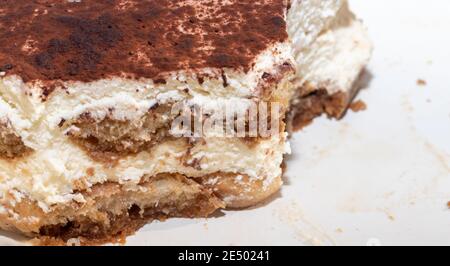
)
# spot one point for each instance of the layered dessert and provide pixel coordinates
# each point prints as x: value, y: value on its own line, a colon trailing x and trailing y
x: 101, y: 103
x: 331, y: 49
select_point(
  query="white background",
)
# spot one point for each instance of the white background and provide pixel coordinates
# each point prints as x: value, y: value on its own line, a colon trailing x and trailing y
x: 381, y: 176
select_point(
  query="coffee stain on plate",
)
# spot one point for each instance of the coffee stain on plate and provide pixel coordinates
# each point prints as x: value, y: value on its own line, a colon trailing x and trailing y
x: 389, y: 214
x: 437, y: 153
x: 306, y: 231
x: 343, y: 129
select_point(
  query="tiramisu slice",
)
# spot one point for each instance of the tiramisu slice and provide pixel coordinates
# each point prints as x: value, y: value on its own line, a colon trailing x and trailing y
x: 330, y: 58
x: 94, y: 136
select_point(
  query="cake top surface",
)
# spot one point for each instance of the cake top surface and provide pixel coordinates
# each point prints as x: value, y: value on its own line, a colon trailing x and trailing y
x: 87, y: 40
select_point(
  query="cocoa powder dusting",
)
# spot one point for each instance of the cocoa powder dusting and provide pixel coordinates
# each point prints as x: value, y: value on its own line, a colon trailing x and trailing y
x: 53, y: 40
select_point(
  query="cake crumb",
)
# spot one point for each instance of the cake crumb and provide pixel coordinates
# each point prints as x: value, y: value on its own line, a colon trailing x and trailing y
x: 358, y: 106
x: 448, y: 204
x: 421, y: 82
x: 90, y: 172
x: 339, y: 230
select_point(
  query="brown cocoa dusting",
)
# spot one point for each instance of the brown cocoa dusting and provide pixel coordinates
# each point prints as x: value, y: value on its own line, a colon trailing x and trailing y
x: 90, y: 40
x: 62, y: 122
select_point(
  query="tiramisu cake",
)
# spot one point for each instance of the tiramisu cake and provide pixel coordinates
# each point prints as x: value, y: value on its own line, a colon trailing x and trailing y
x: 93, y: 143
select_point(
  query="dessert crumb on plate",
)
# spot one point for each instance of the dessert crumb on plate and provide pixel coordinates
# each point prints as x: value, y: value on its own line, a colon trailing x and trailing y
x: 421, y: 82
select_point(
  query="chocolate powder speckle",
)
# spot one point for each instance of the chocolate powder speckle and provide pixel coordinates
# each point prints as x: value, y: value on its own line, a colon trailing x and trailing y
x: 94, y: 39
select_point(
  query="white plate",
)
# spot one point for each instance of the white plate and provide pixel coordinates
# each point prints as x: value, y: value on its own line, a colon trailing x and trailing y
x: 381, y: 176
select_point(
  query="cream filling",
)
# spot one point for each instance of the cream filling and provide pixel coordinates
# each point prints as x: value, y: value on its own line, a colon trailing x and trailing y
x: 306, y: 19
x: 49, y: 174
x: 337, y: 56
x: 36, y: 120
